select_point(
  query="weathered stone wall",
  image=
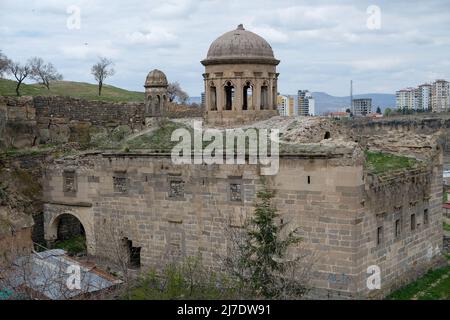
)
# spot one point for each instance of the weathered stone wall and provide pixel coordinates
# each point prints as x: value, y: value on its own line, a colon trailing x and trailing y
x: 171, y: 211
x: 18, y: 126
x: 27, y: 121
x: 414, y: 200
x: 15, y: 244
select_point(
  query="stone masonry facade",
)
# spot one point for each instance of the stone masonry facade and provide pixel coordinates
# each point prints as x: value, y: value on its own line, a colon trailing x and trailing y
x: 172, y: 211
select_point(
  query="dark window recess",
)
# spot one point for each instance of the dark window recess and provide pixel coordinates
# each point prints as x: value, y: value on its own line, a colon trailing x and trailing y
x: 425, y: 217
x: 398, y: 228
x: 327, y: 135
x: 413, y: 222
x: 235, y: 192
x: 134, y: 254
x: 176, y: 189
x: 120, y: 184
x: 309, y: 179
x: 379, y: 235
x: 70, y: 182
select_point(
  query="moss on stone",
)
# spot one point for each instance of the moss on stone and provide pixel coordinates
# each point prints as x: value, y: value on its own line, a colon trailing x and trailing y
x: 379, y: 162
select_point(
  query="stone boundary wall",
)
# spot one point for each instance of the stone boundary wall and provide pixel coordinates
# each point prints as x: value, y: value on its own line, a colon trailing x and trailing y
x: 95, y: 112
x: 28, y: 121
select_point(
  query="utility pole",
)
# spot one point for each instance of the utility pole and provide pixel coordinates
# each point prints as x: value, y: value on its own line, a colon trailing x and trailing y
x: 351, y: 95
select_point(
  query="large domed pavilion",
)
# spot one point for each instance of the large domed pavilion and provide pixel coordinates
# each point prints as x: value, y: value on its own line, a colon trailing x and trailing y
x: 240, y: 78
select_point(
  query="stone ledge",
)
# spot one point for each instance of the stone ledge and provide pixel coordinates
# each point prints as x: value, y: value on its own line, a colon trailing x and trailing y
x: 70, y: 204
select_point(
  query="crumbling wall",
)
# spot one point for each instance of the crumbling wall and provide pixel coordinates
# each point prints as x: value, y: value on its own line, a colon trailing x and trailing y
x: 401, y: 231
x: 172, y: 211
x: 17, y: 122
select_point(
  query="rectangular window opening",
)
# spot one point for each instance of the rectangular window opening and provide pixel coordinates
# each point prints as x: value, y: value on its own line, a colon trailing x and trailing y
x: 379, y: 235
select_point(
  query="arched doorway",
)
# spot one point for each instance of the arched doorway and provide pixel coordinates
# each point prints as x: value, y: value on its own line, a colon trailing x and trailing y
x: 70, y: 234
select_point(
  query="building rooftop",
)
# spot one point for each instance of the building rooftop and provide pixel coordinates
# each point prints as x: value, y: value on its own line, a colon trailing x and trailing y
x: 240, y: 45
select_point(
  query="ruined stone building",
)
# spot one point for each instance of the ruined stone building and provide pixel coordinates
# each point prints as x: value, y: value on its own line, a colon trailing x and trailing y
x: 240, y: 78
x: 156, y: 96
x: 350, y: 218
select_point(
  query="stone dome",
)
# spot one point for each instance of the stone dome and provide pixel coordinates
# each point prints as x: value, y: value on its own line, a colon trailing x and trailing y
x: 156, y: 78
x: 240, y: 46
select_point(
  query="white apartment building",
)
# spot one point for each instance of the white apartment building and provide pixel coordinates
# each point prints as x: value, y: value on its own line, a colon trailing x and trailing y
x: 283, y: 105
x: 423, y: 97
x: 306, y: 103
x: 405, y: 99
x: 440, y: 96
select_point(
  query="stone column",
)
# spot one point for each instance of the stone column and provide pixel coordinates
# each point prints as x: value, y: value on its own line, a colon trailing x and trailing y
x: 257, y: 95
x: 220, y: 93
x: 207, y: 105
x: 238, y: 95
x: 270, y: 95
x: 275, y: 91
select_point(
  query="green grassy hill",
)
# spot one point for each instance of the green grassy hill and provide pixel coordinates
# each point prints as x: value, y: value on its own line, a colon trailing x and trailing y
x: 72, y: 89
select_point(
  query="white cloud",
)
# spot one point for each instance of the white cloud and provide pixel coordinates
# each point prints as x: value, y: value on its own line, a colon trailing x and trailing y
x: 155, y: 36
x: 321, y: 45
x: 271, y: 34
x: 87, y: 50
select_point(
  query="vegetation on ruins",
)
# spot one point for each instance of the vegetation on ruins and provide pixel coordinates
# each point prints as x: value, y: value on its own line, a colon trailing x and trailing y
x: 380, y: 162
x: 73, y: 246
x: 446, y: 227
x: 187, y: 280
x: 259, y: 255
x: 434, y: 285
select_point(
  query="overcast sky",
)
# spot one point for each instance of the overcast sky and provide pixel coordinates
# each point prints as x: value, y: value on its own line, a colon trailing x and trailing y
x: 321, y: 44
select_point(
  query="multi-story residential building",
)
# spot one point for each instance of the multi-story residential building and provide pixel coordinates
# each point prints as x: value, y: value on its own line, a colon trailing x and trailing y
x: 405, y: 99
x: 361, y: 107
x: 440, y: 96
x: 282, y: 105
x: 423, y: 97
x: 306, y: 103
x: 286, y: 106
x: 291, y: 109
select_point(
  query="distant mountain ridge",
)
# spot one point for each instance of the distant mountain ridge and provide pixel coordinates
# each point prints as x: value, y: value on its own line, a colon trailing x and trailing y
x: 328, y: 103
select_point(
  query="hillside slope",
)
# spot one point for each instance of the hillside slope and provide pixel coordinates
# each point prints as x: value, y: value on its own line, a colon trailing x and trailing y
x: 72, y: 89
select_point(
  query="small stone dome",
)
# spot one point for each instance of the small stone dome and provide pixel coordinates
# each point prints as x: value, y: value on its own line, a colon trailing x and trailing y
x: 156, y: 78
x: 240, y: 46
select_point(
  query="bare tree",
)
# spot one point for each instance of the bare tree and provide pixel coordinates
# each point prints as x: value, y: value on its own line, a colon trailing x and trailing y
x: 20, y: 72
x: 4, y: 62
x: 44, y: 72
x: 101, y: 70
x: 176, y: 93
x: 33, y: 275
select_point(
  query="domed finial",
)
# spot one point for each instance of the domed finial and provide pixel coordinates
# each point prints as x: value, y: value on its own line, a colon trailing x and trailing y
x: 240, y: 27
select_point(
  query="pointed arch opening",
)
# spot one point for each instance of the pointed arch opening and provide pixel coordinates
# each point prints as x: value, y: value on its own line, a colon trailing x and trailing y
x: 264, y: 97
x: 247, y: 102
x: 229, y: 95
x: 213, y: 97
